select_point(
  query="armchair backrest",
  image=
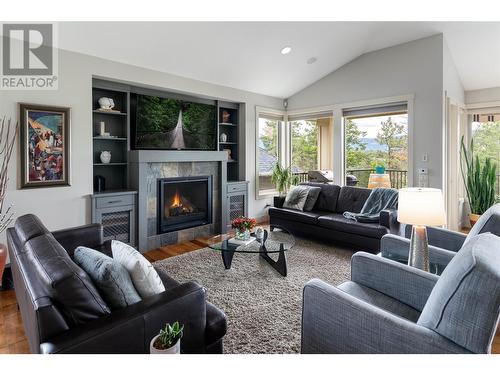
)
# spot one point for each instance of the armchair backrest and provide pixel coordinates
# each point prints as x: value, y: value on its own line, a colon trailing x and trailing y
x: 489, y: 222
x: 464, y: 305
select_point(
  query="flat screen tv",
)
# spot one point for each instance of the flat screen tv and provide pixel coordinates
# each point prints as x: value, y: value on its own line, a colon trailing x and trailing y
x: 172, y: 124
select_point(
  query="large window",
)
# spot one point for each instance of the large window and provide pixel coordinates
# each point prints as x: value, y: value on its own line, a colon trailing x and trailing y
x: 486, y: 136
x: 376, y: 139
x: 269, y: 127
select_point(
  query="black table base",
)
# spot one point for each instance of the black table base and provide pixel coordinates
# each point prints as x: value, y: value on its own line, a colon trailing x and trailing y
x: 279, y: 265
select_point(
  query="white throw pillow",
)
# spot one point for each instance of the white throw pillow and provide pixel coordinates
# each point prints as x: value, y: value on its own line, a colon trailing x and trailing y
x: 143, y: 275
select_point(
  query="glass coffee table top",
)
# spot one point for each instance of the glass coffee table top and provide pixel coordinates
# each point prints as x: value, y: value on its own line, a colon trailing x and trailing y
x: 276, y: 242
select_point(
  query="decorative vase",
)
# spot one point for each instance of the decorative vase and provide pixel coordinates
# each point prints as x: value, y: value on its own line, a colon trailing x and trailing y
x: 473, y: 218
x: 176, y: 349
x: 259, y: 233
x: 105, y: 157
x: 223, y: 137
x: 3, y: 260
x: 226, y: 116
x: 242, y: 235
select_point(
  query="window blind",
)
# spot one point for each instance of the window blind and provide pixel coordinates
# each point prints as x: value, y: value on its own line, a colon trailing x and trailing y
x: 378, y: 110
x: 271, y: 116
x: 310, y: 116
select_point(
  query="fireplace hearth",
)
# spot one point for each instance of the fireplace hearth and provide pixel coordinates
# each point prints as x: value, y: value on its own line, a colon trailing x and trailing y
x: 184, y: 202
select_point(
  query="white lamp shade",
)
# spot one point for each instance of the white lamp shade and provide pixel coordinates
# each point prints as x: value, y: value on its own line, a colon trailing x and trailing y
x: 421, y: 206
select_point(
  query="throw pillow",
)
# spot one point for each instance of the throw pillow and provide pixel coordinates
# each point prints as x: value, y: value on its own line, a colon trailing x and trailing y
x: 143, y: 275
x: 312, y: 197
x: 110, y: 277
x: 296, y: 198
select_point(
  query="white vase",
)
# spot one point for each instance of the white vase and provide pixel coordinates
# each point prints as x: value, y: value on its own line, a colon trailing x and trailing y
x: 176, y: 349
x: 223, y: 137
x: 105, y: 157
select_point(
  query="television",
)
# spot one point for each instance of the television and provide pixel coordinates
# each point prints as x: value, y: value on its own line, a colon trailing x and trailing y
x: 160, y: 123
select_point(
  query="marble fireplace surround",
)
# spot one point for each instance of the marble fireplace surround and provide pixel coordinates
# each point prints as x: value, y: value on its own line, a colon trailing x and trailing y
x: 147, y: 166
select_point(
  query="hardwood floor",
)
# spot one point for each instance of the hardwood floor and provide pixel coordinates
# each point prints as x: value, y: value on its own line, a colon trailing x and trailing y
x: 13, y: 339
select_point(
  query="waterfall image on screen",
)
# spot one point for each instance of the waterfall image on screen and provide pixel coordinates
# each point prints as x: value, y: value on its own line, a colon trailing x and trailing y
x: 171, y: 124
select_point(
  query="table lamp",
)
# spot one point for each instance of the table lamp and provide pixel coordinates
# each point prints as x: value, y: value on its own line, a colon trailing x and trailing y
x: 420, y: 207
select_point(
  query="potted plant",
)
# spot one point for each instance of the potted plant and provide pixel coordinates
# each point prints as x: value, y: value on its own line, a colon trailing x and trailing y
x: 283, y: 178
x: 479, y: 178
x: 168, y: 341
x: 7, y: 140
x: 243, y: 226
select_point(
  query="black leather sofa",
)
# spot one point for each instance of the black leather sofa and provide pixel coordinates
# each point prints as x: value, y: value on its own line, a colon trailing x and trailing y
x: 326, y: 222
x: 45, y: 278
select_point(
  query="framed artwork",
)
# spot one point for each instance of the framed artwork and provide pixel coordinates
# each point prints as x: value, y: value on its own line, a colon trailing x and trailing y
x: 44, y: 145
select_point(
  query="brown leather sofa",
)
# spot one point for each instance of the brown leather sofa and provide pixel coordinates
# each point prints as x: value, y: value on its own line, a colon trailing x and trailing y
x: 326, y: 221
x: 62, y: 311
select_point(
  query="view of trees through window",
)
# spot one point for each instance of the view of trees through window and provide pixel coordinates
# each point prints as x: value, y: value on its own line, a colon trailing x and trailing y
x: 377, y: 140
x: 304, y: 138
x: 486, y: 136
x: 267, y: 151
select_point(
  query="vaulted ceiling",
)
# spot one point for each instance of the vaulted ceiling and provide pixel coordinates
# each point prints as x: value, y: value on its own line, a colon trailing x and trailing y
x: 246, y: 55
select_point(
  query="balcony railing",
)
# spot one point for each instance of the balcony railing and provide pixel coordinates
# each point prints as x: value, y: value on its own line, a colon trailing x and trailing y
x: 399, y: 178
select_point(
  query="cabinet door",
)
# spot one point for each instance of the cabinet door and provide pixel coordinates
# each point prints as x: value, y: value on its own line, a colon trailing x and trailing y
x: 117, y: 223
x: 237, y: 206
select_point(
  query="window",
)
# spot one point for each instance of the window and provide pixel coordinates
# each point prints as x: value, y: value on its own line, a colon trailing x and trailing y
x: 268, y: 150
x: 486, y: 136
x: 376, y: 137
x: 311, y: 144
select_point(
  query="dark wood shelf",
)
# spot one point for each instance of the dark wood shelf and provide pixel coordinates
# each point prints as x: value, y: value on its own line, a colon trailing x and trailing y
x: 108, y: 164
x: 228, y: 143
x: 98, y: 138
x: 227, y: 124
x: 110, y: 113
x: 232, y: 161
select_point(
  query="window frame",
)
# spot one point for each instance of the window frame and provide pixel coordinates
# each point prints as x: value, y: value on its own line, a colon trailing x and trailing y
x: 261, y: 112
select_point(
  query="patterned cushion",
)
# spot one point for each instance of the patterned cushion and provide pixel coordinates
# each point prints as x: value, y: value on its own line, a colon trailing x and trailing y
x: 296, y: 198
x: 312, y: 197
x: 110, y: 277
x: 464, y: 304
x: 143, y: 275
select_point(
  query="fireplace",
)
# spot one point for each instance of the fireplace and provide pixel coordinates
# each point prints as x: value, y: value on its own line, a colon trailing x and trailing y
x: 184, y: 202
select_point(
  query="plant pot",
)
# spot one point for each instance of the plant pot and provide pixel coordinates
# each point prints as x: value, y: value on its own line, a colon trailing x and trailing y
x: 176, y: 349
x: 473, y: 218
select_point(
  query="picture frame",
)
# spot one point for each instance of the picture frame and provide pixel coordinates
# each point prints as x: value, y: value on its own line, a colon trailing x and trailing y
x: 44, y: 145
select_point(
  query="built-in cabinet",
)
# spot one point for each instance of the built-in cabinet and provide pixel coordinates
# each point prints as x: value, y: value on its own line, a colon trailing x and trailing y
x: 237, y: 200
x: 229, y: 139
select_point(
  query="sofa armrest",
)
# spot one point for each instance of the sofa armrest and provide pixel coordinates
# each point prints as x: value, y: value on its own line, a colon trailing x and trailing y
x: 399, y: 281
x: 398, y: 248
x: 443, y: 238
x: 389, y: 219
x: 131, y: 329
x: 90, y: 235
x: 278, y: 201
x: 336, y: 322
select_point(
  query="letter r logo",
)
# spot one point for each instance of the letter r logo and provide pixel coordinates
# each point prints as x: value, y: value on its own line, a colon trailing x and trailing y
x: 27, y: 49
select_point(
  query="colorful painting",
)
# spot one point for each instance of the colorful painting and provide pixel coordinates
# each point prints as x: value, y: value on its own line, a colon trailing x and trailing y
x: 44, y: 146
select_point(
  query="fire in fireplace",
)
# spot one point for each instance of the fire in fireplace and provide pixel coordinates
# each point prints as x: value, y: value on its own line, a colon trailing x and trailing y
x: 184, y: 202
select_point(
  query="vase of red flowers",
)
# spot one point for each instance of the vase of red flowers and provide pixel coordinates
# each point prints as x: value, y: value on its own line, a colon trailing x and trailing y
x: 243, y: 226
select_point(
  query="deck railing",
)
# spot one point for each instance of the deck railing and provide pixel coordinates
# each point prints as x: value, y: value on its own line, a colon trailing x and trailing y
x: 399, y: 177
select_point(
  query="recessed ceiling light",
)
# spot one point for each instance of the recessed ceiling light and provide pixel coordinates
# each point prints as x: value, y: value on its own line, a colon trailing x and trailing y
x: 311, y: 60
x: 286, y: 50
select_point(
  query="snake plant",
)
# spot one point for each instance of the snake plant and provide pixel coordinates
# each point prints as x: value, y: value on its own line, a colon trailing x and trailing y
x: 479, y: 179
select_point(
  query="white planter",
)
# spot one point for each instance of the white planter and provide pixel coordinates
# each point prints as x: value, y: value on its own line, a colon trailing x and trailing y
x: 176, y: 349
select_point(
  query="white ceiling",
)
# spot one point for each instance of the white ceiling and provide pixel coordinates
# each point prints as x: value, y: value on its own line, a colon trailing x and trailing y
x: 247, y: 55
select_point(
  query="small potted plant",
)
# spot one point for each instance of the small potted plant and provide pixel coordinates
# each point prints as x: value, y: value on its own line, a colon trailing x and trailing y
x: 243, y: 226
x: 168, y: 341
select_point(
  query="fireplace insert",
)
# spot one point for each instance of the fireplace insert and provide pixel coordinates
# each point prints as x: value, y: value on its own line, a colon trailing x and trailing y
x: 184, y: 202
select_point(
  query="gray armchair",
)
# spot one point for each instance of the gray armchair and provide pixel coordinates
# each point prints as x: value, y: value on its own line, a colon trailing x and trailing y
x: 389, y: 307
x: 443, y: 243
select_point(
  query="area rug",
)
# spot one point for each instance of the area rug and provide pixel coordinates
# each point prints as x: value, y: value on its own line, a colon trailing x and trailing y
x: 263, y: 308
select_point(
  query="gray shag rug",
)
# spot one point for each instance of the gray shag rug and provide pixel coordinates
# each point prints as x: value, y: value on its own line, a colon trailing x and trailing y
x: 263, y: 308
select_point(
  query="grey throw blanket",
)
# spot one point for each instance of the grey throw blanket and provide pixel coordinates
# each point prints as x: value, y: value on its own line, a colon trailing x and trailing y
x: 379, y: 199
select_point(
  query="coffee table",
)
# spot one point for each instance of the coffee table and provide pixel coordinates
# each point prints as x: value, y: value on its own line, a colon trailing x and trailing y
x: 279, y: 241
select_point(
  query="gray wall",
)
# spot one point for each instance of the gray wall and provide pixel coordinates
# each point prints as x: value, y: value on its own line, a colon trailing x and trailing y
x: 410, y: 68
x: 61, y: 207
x: 452, y: 83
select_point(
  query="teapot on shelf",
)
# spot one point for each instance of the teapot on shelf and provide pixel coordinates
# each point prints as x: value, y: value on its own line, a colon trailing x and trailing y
x: 105, y: 157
